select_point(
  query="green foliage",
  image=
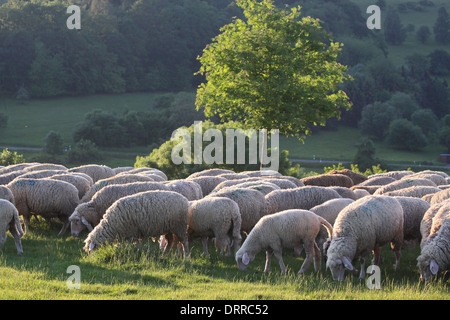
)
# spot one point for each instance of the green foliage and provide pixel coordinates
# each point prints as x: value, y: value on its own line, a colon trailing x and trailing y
x: 404, y: 135
x: 375, y: 119
x: 423, y: 34
x: 365, y: 156
x: 53, y: 143
x: 442, y: 27
x: 355, y: 168
x: 394, y: 32
x: 8, y: 158
x: 161, y: 157
x: 426, y: 120
x: 3, y: 120
x: 440, y: 63
x: 84, y: 151
x: 444, y: 137
x: 273, y: 70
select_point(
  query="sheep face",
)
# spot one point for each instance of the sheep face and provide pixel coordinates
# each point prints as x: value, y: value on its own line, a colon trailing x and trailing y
x: 77, y: 220
x: 428, y: 268
x: 337, y: 267
x: 243, y: 259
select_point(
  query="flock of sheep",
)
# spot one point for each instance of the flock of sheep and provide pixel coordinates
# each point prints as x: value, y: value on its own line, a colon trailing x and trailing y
x: 341, y: 215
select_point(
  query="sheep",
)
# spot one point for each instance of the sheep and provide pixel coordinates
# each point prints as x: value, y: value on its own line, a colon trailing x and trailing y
x: 10, y: 176
x: 359, y: 193
x: 404, y: 183
x: 377, y: 181
x: 369, y: 189
x: 48, y: 198
x: 261, y: 173
x: 217, y: 217
x: 210, y: 172
x: 83, y: 185
x: 397, y: 175
x: 440, y: 196
x: 289, y: 228
x: 344, y: 192
x: 207, y: 183
x: 328, y: 180
x: 95, y: 171
x: 262, y: 186
x: 298, y: 198
x: 6, y: 194
x: 45, y: 166
x: 15, y: 167
x: 329, y: 210
x: 252, y: 205
x: 9, y: 220
x: 416, y: 191
x: 434, y: 257
x: 190, y: 189
x: 146, y: 214
x: 442, y: 213
x: 119, y: 179
x: 118, y: 170
x: 427, y: 221
x: 233, y: 176
x: 40, y: 174
x: 147, y: 171
x: 230, y: 183
x: 294, y: 180
x: 356, y: 177
x: 89, y: 214
x: 436, y: 178
x: 413, y: 211
x: 282, y: 183
x: 363, y: 226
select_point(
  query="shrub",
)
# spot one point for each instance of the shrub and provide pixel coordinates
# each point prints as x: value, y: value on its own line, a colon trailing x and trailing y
x: 404, y: 135
x: 8, y: 158
x: 84, y: 151
x: 375, y: 119
x: 53, y: 143
x: 365, y: 156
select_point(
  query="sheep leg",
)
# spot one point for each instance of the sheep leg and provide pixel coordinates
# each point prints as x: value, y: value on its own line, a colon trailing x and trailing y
x: 376, y: 255
x: 309, y: 251
x: 205, y: 246
x: 16, y: 236
x: 3, y: 237
x: 64, y: 228
x: 317, y: 258
x: 269, y: 254
x: 279, y: 255
x: 362, y: 273
x: 396, y: 245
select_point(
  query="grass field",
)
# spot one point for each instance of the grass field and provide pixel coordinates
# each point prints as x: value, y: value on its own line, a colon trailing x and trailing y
x: 128, y: 271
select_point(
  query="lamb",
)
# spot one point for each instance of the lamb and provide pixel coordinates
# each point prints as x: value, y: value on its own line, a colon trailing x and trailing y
x: 252, y: 205
x: 435, y: 255
x: 289, y: 228
x: 119, y: 179
x: 298, y: 198
x: 48, y: 198
x: 329, y: 210
x: 95, y: 171
x: 361, y: 227
x: 89, y: 214
x: 9, y: 220
x: 328, y: 180
x: 416, y: 191
x: 217, y: 217
x: 190, y: 189
x: 6, y: 194
x: 146, y: 214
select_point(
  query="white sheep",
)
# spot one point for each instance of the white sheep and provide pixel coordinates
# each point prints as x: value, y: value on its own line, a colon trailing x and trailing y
x: 298, y: 198
x: 95, y: 171
x: 45, y: 166
x: 434, y: 257
x: 9, y: 220
x: 361, y: 227
x: 440, y: 196
x: 404, y: 183
x: 215, y: 217
x: 190, y: 189
x: 427, y: 221
x: 288, y: 229
x: 148, y: 171
x: 6, y: 194
x: 45, y: 197
x: 415, y: 191
x: 329, y: 210
x: 207, y: 183
x: 146, y: 214
x: 413, y: 211
x: 252, y: 205
x: 210, y: 172
x: 82, y: 184
x: 89, y: 214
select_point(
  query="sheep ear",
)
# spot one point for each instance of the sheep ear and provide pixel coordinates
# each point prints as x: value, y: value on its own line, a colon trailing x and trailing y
x: 347, y: 263
x: 434, y: 268
x: 87, y: 224
x: 91, y: 246
x: 245, y: 258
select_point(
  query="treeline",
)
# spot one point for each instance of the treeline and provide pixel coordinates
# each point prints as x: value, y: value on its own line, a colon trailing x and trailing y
x: 124, y: 45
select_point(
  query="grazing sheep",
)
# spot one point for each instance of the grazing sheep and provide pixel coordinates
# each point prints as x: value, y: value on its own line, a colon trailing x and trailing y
x: 121, y: 169
x: 413, y: 211
x: 298, y: 198
x: 436, y: 178
x: 440, y: 196
x: 329, y: 210
x: 416, y: 192
x: 6, y: 194
x: 377, y: 181
x: 47, y: 198
x: 252, y: 205
x: 427, y: 221
x: 262, y: 173
x: 146, y: 214
x: 89, y: 214
x: 434, y: 257
x: 210, y: 172
x: 147, y: 171
x: 83, y: 185
x: 361, y: 227
x: 288, y: 229
x: 40, y: 174
x: 356, y: 177
x: 328, y: 180
x: 190, y: 189
x: 119, y: 179
x: 359, y: 193
x: 10, y: 176
x: 282, y: 183
x: 404, y: 183
x: 9, y: 220
x: 231, y: 183
x: 207, y: 183
x: 45, y: 166
x: 369, y: 189
x: 217, y: 217
x: 397, y: 175
x: 95, y: 171
x: 436, y: 222
x: 15, y: 167
x: 262, y: 186
x: 233, y: 176
x: 344, y: 192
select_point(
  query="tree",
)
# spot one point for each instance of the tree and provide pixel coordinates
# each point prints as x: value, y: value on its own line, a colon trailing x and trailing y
x: 53, y: 143
x: 365, y: 155
x: 375, y: 119
x: 404, y: 135
x: 8, y: 158
x: 394, y: 32
x: 273, y: 71
x: 442, y: 27
x: 423, y: 33
x: 439, y: 63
